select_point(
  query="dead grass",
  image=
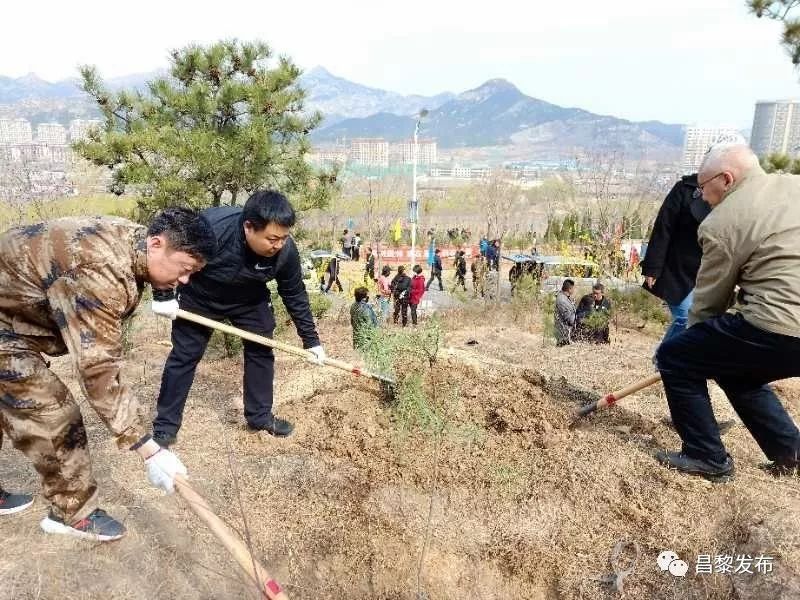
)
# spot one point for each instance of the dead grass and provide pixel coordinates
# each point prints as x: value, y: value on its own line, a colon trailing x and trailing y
x: 505, y: 500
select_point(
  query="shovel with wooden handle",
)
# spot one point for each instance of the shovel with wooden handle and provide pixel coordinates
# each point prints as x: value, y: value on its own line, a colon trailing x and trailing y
x: 255, y: 571
x: 614, y: 397
x: 260, y: 339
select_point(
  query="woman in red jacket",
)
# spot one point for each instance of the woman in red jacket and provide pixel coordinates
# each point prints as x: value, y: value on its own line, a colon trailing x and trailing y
x: 417, y: 290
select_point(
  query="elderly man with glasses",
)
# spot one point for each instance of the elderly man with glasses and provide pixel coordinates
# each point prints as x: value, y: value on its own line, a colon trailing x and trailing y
x: 744, y: 323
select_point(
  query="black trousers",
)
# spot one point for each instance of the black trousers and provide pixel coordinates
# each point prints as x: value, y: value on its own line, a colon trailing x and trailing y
x: 401, y: 307
x: 742, y: 359
x: 331, y: 280
x: 435, y: 275
x: 413, y: 308
x: 189, y: 341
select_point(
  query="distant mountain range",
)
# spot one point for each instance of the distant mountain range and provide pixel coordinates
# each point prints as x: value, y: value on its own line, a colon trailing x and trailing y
x: 494, y: 114
x: 498, y: 114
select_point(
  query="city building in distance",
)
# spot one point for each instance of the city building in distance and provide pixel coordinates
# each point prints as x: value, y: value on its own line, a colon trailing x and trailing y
x: 51, y: 134
x: 378, y: 152
x: 15, y: 131
x: 776, y: 127
x: 698, y: 140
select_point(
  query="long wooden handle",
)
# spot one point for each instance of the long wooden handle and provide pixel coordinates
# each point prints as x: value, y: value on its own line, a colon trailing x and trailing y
x: 258, y: 574
x: 613, y: 397
x: 260, y: 339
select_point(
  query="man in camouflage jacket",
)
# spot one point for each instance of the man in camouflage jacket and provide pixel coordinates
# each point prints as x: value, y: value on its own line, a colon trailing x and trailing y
x: 65, y: 287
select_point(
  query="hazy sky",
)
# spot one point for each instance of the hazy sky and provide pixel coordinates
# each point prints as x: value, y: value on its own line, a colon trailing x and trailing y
x: 687, y: 61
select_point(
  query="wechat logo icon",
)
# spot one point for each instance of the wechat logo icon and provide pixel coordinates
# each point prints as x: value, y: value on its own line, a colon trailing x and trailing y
x: 670, y: 561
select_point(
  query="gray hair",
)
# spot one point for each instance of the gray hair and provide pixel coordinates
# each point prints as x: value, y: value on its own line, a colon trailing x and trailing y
x: 735, y: 158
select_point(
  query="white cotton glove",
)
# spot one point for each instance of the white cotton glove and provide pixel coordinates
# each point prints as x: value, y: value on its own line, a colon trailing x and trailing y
x: 319, y: 355
x: 167, y: 308
x: 165, y: 304
x: 162, y: 468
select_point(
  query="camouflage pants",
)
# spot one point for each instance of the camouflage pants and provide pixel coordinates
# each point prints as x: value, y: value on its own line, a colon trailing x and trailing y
x: 40, y: 416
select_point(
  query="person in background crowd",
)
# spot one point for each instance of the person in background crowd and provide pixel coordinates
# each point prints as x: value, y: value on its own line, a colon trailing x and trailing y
x: 362, y: 317
x: 495, y: 255
x: 333, y: 274
x: 633, y: 261
x: 417, y: 291
x: 401, y: 287
x: 369, y: 266
x: 478, y: 269
x: 347, y: 243
x: 384, y: 292
x: 483, y: 245
x: 461, y: 270
x: 594, y: 306
x: 436, y: 270
x: 356, y: 247
x: 564, y: 313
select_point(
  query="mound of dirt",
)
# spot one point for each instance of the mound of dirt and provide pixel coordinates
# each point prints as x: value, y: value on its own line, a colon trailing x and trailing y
x: 500, y: 499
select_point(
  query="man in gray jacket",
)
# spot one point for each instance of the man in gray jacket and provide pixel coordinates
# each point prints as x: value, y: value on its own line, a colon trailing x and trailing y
x: 564, y: 314
x: 751, y: 240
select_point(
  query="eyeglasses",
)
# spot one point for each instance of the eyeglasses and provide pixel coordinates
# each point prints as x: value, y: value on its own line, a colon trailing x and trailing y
x: 698, y: 193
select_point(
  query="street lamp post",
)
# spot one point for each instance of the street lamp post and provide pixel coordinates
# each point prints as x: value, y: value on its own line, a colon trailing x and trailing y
x: 414, y: 212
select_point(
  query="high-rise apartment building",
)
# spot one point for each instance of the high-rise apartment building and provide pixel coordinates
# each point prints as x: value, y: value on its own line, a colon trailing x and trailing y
x: 403, y: 152
x: 15, y: 131
x: 373, y: 152
x: 698, y: 140
x: 776, y: 127
x: 51, y: 134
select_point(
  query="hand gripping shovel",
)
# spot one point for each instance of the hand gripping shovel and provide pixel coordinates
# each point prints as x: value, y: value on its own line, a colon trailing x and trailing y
x: 268, y: 588
x: 613, y: 397
x: 260, y: 339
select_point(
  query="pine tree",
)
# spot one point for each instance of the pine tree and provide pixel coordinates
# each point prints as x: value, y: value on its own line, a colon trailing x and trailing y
x: 779, y: 10
x: 226, y: 120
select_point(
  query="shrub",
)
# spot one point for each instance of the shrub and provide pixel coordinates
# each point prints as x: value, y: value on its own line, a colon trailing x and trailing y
x: 640, y: 304
x: 547, y: 306
x: 225, y: 344
x: 409, y: 357
x: 320, y: 305
x: 596, y: 320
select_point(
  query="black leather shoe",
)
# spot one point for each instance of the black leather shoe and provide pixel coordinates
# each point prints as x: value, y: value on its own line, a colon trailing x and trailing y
x: 694, y: 466
x: 165, y: 440
x: 275, y: 426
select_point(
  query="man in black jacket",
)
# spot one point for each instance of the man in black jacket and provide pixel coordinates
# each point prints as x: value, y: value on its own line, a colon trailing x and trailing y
x: 253, y: 247
x: 673, y: 253
x: 592, y: 317
x: 401, y: 291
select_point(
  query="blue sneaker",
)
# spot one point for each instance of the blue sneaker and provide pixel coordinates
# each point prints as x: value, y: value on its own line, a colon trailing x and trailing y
x: 98, y: 526
x: 14, y: 503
